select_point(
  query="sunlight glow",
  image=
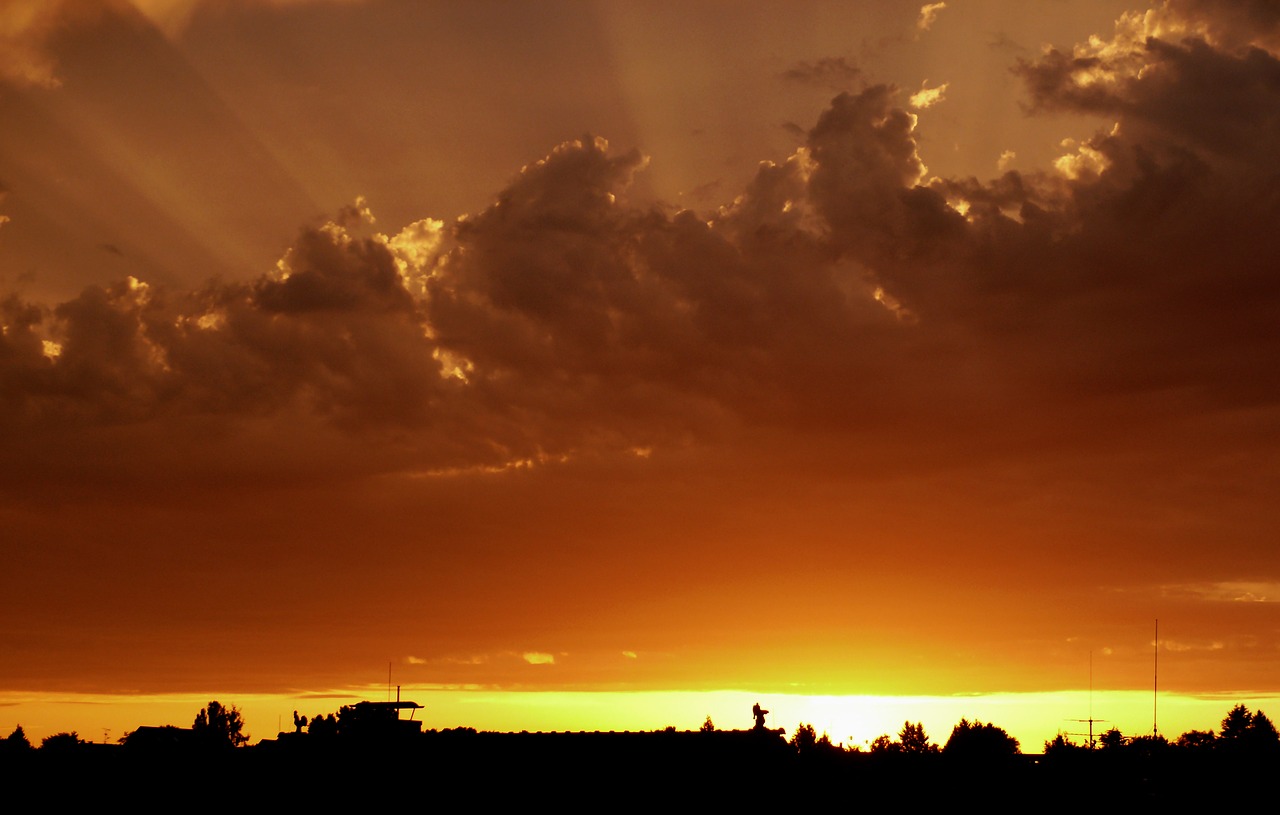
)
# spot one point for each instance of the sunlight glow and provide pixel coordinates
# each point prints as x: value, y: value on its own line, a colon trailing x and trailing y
x: 854, y: 721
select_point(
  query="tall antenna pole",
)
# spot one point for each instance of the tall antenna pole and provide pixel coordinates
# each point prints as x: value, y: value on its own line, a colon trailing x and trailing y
x: 1155, y: 685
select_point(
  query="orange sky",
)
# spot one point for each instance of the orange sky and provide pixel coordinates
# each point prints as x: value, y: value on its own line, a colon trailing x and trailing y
x: 817, y: 348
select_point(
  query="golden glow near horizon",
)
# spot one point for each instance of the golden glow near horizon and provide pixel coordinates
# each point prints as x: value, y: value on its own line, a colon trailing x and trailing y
x: 851, y: 721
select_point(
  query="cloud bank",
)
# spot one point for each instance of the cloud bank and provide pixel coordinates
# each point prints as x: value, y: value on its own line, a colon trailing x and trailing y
x: 844, y: 289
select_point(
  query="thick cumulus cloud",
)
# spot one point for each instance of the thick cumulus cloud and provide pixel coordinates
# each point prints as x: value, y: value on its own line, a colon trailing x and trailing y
x: 844, y: 289
x: 1188, y: 90
x: 25, y: 26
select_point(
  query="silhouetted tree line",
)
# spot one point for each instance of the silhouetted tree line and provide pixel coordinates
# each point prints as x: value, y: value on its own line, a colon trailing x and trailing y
x: 1195, y: 768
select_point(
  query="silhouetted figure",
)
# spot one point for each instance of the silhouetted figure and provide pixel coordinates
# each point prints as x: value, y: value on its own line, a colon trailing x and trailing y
x: 759, y: 713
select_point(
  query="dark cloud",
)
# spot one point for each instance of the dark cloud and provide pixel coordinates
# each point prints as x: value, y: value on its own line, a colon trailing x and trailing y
x: 1225, y: 103
x: 833, y: 73
x: 1230, y: 23
x: 25, y: 28
x: 1001, y: 41
x: 840, y: 291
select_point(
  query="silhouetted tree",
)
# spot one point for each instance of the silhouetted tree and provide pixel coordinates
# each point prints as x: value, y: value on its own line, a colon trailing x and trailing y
x: 1113, y: 739
x: 1262, y: 734
x: 323, y: 726
x: 1059, y: 747
x: 1196, y: 740
x: 805, y: 739
x: 883, y: 744
x: 914, y: 741
x: 220, y: 726
x: 807, y: 742
x: 1236, y: 724
x: 1147, y: 745
x: 975, y: 740
x: 61, y: 742
x: 708, y: 726
x: 16, y: 743
x: 18, y: 739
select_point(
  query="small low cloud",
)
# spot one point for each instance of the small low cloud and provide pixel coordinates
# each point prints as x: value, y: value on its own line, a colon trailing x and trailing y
x: 929, y: 13
x: 1182, y: 647
x: 927, y: 97
x: 829, y: 72
x: 629, y: 654
x: 1225, y: 592
x: 539, y: 658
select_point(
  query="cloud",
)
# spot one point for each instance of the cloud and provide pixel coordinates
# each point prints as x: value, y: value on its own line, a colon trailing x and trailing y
x: 25, y: 28
x: 927, y: 97
x: 1181, y: 647
x: 834, y: 73
x: 842, y: 290
x: 29, y: 28
x: 538, y: 658
x: 174, y: 16
x: 1189, y: 93
x: 929, y: 13
x: 1225, y: 592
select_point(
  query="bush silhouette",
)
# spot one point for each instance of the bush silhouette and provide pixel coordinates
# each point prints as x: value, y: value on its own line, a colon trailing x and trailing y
x: 978, y: 741
x: 220, y: 726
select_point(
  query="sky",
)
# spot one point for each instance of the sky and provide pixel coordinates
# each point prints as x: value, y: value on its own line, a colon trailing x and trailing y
x: 799, y: 350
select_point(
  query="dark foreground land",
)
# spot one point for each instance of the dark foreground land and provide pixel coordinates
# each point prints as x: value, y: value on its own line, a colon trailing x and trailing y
x: 657, y: 771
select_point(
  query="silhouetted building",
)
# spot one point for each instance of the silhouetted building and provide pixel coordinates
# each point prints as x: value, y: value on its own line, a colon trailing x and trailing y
x: 380, y: 720
x: 166, y: 739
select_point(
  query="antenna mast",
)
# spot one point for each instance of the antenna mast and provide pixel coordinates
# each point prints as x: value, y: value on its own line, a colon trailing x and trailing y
x: 1090, y: 720
x: 1155, y: 684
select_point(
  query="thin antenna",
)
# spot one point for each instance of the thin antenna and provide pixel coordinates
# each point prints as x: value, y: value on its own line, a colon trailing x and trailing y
x: 1155, y: 685
x: 1091, y: 722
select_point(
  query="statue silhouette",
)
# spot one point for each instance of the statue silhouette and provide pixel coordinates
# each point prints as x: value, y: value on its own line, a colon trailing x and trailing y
x: 759, y: 713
